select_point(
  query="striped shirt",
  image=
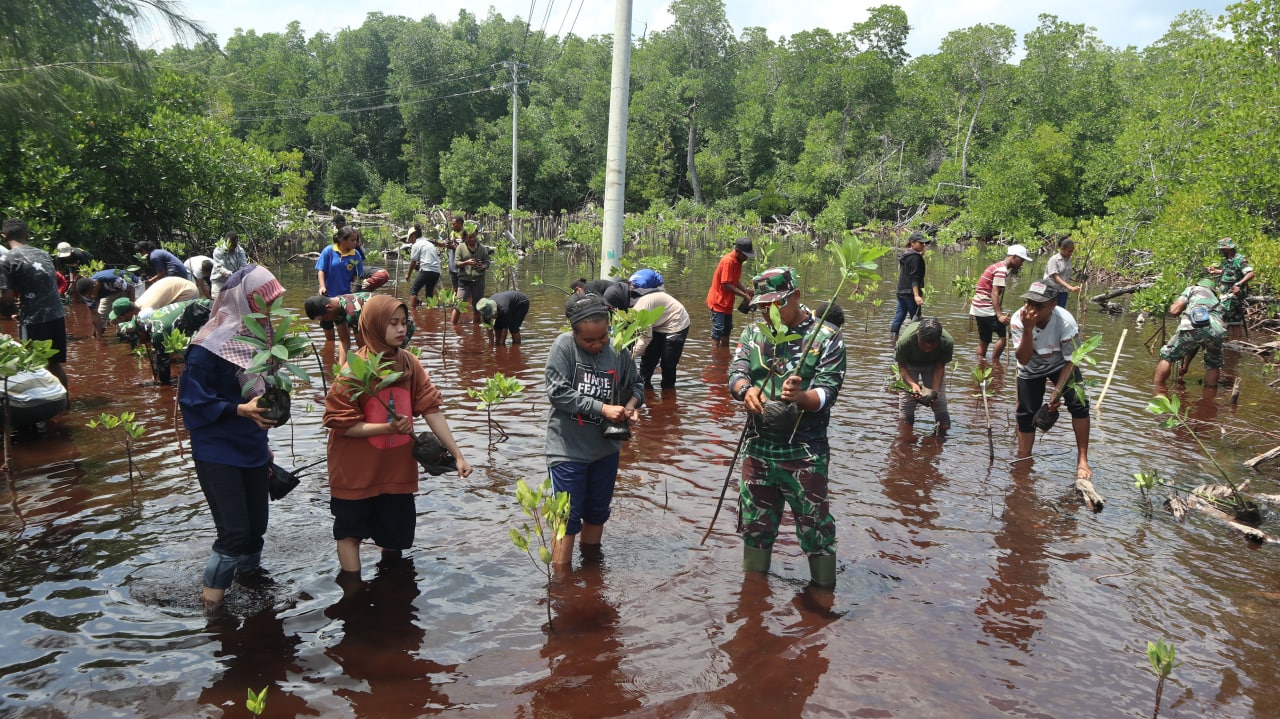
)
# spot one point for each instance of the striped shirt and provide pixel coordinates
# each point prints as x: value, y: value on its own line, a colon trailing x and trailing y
x: 994, y: 276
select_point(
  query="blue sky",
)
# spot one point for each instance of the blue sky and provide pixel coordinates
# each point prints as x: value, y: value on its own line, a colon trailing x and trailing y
x: 1118, y: 22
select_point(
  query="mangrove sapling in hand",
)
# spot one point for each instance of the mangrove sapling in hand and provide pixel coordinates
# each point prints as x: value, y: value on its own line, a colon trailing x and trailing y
x: 625, y: 330
x: 125, y: 430
x: 256, y: 703
x: 277, y: 348
x: 369, y: 377
x: 549, y: 511
x: 496, y: 390
x: 15, y: 357
x: 1244, y: 509
x: 1161, y: 656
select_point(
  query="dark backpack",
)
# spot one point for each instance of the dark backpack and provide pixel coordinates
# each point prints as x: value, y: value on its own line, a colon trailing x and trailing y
x: 194, y: 316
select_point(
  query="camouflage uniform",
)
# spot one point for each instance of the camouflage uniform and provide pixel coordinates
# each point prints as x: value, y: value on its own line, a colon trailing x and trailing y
x: 351, y: 304
x: 787, y: 460
x: 1233, y: 269
x: 1188, y: 337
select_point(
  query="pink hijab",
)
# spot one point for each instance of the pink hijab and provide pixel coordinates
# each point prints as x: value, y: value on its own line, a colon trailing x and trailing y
x: 250, y: 289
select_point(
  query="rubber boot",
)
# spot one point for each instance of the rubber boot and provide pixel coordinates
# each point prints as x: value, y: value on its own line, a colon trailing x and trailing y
x: 822, y: 568
x: 756, y: 560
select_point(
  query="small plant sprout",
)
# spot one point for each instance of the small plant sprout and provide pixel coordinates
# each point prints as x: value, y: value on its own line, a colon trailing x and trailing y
x: 91, y: 268
x: 125, y: 430
x: 964, y: 286
x: 496, y: 390
x: 627, y: 327
x: 175, y: 341
x: 256, y: 703
x: 277, y: 348
x: 368, y: 377
x: 549, y: 512
x: 1162, y: 656
x: 1244, y: 509
x: 982, y: 376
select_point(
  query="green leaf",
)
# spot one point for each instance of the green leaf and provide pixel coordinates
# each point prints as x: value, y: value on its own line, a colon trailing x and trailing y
x: 544, y: 554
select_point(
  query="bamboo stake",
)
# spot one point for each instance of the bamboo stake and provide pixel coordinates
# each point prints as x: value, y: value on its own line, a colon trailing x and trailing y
x: 1097, y: 409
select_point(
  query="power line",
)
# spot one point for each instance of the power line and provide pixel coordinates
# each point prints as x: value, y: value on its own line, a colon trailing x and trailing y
x: 563, y: 44
x: 527, y: 21
x: 542, y: 33
x: 349, y: 111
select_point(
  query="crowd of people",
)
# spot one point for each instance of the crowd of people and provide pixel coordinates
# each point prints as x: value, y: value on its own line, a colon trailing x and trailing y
x: 787, y: 369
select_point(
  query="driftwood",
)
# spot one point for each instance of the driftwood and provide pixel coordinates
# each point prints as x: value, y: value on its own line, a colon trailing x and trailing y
x: 1235, y: 392
x: 1092, y: 499
x: 1200, y: 499
x: 1118, y: 291
x: 1253, y: 533
x: 1269, y: 454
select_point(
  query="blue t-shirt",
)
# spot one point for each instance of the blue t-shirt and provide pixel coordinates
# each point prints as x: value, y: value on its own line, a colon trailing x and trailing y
x: 209, y: 392
x: 339, y: 272
x: 114, y: 282
x: 164, y: 262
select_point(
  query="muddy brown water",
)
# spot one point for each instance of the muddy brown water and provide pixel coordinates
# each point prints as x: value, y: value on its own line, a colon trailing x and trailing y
x: 963, y: 591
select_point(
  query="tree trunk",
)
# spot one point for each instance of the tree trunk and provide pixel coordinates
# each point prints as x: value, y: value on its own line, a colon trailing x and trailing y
x: 964, y: 155
x: 1117, y: 291
x: 693, y: 170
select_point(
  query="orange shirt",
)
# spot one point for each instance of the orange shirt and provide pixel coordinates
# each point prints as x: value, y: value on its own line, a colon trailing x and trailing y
x: 729, y: 271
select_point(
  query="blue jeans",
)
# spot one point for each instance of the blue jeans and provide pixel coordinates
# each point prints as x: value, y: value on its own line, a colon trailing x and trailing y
x: 907, y: 309
x: 590, y: 488
x: 721, y: 325
x: 1062, y: 299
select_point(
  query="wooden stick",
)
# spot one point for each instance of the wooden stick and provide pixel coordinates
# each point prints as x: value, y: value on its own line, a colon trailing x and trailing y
x: 1269, y: 454
x: 1235, y: 393
x: 1097, y: 409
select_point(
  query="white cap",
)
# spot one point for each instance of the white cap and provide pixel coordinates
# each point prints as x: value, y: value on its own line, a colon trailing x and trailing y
x: 64, y: 249
x: 1019, y: 251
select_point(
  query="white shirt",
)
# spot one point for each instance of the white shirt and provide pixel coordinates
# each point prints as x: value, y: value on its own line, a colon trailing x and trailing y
x: 194, y: 264
x: 1051, y: 346
x: 426, y: 255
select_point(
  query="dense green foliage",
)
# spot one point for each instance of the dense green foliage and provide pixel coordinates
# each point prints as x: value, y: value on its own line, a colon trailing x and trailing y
x: 1158, y: 150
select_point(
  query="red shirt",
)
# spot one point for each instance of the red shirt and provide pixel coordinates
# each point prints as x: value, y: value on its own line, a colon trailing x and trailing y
x: 729, y: 271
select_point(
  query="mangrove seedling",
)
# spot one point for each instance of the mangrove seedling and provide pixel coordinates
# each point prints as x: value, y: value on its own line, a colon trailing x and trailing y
x: 1162, y: 656
x: 277, y: 348
x: 496, y: 390
x: 175, y: 342
x: 125, y: 430
x: 964, y: 286
x: 982, y: 375
x: 549, y: 511
x: 256, y: 703
x: 15, y: 357
x: 1244, y: 510
x: 367, y: 377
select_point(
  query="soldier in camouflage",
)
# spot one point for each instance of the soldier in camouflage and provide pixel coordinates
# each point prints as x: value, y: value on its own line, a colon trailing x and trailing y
x: 1201, y: 326
x: 788, y: 389
x: 1233, y: 275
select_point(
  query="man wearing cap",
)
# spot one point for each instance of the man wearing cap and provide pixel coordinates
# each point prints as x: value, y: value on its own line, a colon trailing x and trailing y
x: 662, y: 343
x: 987, y: 308
x: 1200, y: 326
x: 923, y: 353
x: 68, y: 260
x: 1057, y: 273
x: 473, y: 260
x: 28, y: 277
x: 1044, y: 335
x: 506, y: 312
x: 1233, y: 275
x: 160, y: 293
x: 105, y: 287
x: 788, y: 391
x: 910, y: 282
x: 726, y: 286
x: 153, y: 330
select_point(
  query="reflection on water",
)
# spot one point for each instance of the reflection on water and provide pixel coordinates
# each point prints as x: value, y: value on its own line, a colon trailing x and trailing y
x: 966, y: 589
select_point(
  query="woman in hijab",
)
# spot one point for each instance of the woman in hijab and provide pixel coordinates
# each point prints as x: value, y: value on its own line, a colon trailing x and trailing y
x: 372, y: 472
x: 228, y: 431
x: 591, y: 386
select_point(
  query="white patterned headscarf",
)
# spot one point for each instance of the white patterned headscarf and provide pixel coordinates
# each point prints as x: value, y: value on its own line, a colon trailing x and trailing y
x: 250, y: 289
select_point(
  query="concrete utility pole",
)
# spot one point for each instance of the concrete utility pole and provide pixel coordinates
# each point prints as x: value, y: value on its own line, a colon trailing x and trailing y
x: 615, y: 170
x: 515, y: 84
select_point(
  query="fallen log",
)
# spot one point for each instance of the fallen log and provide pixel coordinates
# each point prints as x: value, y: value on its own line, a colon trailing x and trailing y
x: 1118, y: 291
x: 1253, y: 533
x: 1235, y: 393
x: 1269, y: 454
x: 1092, y: 499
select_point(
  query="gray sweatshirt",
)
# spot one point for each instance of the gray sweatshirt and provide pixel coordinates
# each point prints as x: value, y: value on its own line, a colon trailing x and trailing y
x: 579, y: 385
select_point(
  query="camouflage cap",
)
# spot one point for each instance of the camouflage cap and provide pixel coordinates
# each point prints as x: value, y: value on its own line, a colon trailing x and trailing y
x: 1226, y: 243
x: 774, y: 285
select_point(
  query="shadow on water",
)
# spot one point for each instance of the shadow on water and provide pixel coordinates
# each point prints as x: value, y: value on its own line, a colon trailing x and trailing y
x: 965, y: 589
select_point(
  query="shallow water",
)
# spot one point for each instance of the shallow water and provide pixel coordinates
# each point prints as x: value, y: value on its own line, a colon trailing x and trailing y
x: 964, y: 590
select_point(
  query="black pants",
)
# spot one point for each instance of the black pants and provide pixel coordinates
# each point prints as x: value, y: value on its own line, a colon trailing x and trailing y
x: 665, y: 350
x: 425, y: 280
x: 237, y: 498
